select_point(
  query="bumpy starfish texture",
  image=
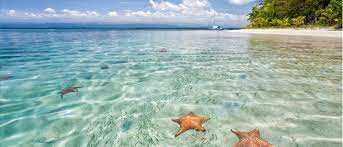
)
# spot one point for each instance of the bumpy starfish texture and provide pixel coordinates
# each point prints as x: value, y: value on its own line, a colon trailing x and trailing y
x: 190, y: 121
x: 250, y: 139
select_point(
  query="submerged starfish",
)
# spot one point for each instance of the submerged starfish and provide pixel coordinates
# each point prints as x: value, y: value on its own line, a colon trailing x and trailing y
x: 250, y: 139
x: 162, y: 50
x: 190, y: 121
x: 5, y: 77
x: 69, y: 90
x: 104, y: 66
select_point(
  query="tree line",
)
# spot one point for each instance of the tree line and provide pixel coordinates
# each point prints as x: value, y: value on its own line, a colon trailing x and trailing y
x: 296, y: 13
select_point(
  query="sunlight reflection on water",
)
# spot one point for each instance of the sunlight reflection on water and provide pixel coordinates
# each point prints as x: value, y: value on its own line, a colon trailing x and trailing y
x: 288, y: 87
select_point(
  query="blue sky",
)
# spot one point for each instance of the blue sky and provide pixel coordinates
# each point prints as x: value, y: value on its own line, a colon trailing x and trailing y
x: 225, y: 12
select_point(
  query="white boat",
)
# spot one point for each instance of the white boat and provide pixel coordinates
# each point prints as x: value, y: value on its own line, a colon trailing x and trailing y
x: 214, y: 26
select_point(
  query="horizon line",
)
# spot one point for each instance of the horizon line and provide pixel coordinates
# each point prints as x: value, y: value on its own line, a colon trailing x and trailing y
x: 131, y: 26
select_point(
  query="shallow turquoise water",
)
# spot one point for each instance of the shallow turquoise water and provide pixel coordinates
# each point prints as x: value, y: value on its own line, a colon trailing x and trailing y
x: 288, y: 87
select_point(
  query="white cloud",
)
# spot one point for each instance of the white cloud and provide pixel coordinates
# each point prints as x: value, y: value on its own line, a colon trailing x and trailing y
x: 51, y: 13
x: 92, y: 13
x: 186, y: 7
x: 112, y: 13
x: 49, y: 10
x: 240, y: 2
x: 196, y: 3
x: 30, y: 14
x: 11, y: 13
x: 75, y: 13
x: 164, y: 5
x: 138, y: 13
x: 193, y: 10
x: 68, y: 12
x: 187, y: 11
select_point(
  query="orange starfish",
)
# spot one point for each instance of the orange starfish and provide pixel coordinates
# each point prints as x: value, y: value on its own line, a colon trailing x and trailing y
x: 250, y: 139
x: 190, y: 121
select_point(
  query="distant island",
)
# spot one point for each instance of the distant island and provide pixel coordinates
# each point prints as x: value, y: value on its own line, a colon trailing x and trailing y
x: 296, y: 13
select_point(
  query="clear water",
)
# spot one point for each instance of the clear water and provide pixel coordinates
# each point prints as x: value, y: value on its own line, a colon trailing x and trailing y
x: 289, y: 87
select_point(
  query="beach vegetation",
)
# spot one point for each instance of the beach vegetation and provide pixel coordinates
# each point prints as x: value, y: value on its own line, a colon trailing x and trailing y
x: 296, y: 13
x: 298, y: 21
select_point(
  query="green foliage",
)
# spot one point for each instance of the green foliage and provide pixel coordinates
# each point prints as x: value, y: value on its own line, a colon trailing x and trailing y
x: 259, y: 22
x: 298, y: 21
x: 280, y: 22
x: 325, y: 17
x: 284, y: 13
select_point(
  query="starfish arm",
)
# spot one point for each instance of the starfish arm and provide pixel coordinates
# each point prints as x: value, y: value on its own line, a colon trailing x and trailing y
x: 205, y: 119
x: 176, y: 120
x: 236, y: 145
x: 266, y: 144
x: 199, y: 128
x: 191, y: 114
x: 180, y: 132
x: 237, y: 133
x: 255, y: 133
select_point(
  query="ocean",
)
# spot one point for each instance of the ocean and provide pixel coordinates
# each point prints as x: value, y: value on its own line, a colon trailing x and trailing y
x: 133, y: 82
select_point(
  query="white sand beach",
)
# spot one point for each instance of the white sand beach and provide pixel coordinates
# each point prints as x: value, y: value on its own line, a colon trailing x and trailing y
x: 296, y: 32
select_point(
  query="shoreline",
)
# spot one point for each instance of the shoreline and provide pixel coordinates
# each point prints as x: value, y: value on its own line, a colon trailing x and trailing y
x: 292, y: 32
